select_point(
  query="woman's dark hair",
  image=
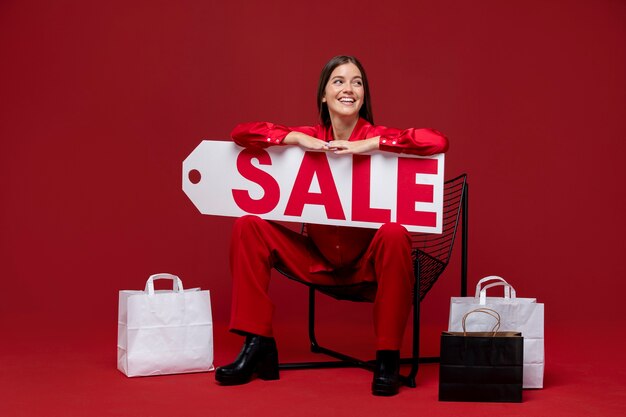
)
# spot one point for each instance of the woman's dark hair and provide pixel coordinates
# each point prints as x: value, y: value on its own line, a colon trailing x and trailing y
x: 366, y: 109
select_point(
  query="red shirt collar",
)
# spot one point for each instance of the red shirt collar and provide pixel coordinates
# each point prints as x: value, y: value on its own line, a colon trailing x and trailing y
x: 359, y: 131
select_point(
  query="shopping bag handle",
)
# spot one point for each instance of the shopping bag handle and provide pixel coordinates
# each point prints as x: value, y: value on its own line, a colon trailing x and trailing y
x: 492, y: 313
x: 509, y: 291
x: 177, y: 284
x: 486, y: 279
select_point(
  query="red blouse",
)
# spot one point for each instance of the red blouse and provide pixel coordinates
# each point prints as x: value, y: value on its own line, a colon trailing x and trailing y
x: 343, y: 246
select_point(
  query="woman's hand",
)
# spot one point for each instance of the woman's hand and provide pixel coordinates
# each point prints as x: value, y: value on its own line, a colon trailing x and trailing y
x: 342, y: 147
x: 305, y: 141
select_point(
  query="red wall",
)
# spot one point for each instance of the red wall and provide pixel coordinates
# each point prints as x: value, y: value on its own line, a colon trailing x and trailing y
x: 100, y: 102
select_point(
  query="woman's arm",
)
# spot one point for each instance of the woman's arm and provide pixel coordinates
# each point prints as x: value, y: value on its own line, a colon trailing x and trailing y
x: 413, y: 141
x: 258, y: 134
x: 342, y: 147
x: 264, y: 134
x: 305, y: 141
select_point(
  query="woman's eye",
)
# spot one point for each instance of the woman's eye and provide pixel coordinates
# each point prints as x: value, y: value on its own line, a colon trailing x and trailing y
x: 337, y: 82
x: 358, y: 83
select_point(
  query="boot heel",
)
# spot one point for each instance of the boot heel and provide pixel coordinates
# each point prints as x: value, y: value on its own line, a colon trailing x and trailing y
x: 386, y: 373
x: 258, y: 356
x: 267, y: 369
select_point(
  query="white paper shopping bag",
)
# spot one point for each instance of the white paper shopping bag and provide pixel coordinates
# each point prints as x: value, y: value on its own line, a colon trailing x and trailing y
x: 523, y: 315
x: 166, y: 331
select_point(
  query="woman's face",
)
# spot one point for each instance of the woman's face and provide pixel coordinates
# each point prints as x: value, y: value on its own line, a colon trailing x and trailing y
x: 344, y: 93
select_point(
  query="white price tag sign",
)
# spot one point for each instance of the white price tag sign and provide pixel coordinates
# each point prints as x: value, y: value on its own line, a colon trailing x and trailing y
x: 290, y: 184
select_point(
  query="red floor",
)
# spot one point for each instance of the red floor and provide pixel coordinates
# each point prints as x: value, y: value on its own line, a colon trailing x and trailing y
x: 71, y: 371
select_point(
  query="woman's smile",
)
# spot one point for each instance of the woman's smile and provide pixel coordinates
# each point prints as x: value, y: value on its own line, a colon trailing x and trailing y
x: 348, y: 101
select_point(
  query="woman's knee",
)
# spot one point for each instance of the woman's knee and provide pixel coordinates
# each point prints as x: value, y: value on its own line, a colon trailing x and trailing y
x: 394, y: 231
x: 247, y: 222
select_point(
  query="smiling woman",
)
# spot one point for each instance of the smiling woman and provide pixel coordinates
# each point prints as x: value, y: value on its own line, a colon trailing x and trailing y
x: 328, y: 255
x: 337, y: 70
x: 343, y: 97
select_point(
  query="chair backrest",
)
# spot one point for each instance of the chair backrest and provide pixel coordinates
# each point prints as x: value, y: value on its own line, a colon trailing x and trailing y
x: 431, y: 252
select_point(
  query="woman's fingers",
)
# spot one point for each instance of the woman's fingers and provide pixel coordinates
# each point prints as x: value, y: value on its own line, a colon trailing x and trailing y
x: 342, y: 147
x: 338, y: 144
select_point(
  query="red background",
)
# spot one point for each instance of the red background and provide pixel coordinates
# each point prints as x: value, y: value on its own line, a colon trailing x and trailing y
x: 100, y: 102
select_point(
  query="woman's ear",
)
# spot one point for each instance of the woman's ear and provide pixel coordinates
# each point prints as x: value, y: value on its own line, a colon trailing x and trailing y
x: 323, y: 99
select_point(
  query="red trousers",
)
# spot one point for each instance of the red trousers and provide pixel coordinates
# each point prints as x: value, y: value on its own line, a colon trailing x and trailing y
x: 258, y: 245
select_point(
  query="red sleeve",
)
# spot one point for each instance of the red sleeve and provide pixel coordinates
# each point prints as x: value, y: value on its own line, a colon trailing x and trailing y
x: 264, y: 134
x: 413, y: 141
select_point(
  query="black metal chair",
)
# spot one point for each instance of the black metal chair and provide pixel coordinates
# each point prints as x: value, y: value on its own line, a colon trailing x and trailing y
x: 431, y: 254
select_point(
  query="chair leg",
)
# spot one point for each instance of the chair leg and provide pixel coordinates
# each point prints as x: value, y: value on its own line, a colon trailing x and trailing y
x: 464, y: 238
x: 315, y: 347
x: 345, y: 361
x: 410, y: 379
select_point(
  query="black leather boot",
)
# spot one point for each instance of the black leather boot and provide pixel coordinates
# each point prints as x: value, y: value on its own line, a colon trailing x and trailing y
x: 258, y: 356
x: 386, y: 373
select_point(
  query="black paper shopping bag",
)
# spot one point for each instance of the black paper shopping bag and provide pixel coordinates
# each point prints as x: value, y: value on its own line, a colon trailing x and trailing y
x: 481, y: 366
